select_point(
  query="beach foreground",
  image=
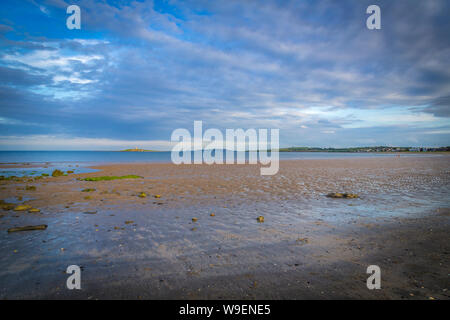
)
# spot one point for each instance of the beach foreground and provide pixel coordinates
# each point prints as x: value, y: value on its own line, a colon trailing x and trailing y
x: 195, y: 234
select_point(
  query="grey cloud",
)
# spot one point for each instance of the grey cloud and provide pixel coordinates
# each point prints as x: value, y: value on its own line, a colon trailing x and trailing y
x: 440, y: 107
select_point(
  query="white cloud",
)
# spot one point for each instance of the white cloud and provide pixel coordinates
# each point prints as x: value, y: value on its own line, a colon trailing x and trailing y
x: 61, y: 142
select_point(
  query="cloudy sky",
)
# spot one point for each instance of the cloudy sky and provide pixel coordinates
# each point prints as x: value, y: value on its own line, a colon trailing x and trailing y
x: 137, y: 70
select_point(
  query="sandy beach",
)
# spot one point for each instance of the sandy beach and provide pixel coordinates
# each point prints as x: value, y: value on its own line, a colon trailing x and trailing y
x: 195, y: 234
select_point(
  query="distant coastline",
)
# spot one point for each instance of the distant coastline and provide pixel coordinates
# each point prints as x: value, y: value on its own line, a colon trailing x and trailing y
x: 138, y: 150
x: 381, y: 149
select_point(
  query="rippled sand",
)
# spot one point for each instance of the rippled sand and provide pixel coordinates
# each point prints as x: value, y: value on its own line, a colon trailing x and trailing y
x: 309, y: 246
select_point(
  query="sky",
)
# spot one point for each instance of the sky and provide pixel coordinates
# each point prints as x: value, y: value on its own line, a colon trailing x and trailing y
x: 137, y: 70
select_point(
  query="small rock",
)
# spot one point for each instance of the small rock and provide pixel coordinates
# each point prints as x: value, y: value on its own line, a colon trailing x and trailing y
x: 157, y: 196
x: 22, y: 207
x: 338, y: 195
x: 260, y: 219
x: 213, y: 214
x: 34, y: 210
x: 57, y: 173
x: 142, y: 195
x: 302, y: 240
x: 194, y: 219
x: 8, y: 206
x: 351, y: 195
x: 28, y: 228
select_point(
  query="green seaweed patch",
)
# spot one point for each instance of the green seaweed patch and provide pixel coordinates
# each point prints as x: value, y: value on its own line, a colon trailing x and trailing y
x: 108, y: 178
x: 57, y: 173
x: 14, y: 178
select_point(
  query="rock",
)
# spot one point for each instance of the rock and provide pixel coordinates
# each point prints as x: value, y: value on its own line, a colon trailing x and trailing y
x: 57, y: 173
x: 70, y: 171
x: 90, y: 212
x: 87, y: 198
x: 142, y: 195
x: 129, y: 222
x: 22, y: 207
x: 260, y: 219
x: 335, y: 195
x: 28, y: 228
x: 34, y: 210
x: 30, y: 188
x: 88, y: 190
x: 302, y: 240
x: 338, y: 195
x: 194, y: 219
x: 157, y: 196
x: 8, y: 206
x: 213, y: 214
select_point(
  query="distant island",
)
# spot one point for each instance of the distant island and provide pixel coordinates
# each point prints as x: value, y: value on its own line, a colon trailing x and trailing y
x: 366, y: 149
x: 136, y: 149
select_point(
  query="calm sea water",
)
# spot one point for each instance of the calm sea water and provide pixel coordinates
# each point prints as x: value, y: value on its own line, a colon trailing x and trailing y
x: 98, y: 157
x: 39, y: 162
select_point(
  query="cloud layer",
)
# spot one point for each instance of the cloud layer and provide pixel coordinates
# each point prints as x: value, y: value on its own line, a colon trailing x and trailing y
x: 137, y: 70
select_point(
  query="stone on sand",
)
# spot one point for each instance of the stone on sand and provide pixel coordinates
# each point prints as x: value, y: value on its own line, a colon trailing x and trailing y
x: 338, y: 195
x: 28, y: 228
x: 22, y: 207
x: 57, y: 173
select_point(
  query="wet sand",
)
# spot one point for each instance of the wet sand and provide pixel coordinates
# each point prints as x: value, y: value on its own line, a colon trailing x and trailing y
x: 309, y: 246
